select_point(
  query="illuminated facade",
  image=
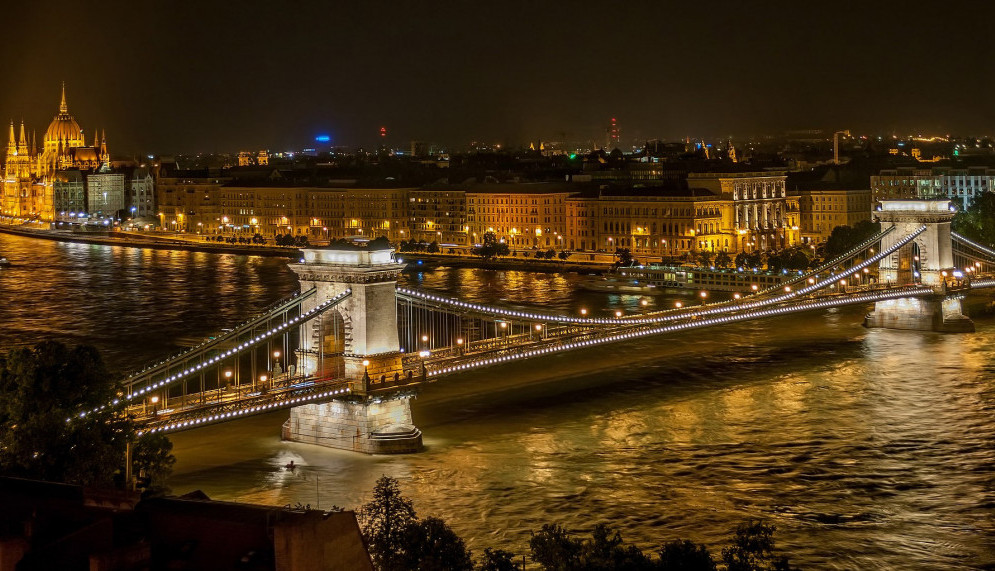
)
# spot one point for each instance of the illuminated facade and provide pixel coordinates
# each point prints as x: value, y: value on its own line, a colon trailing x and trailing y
x: 30, y: 173
x: 761, y: 208
x: 959, y: 185
x: 823, y: 210
x: 523, y: 216
x: 651, y: 222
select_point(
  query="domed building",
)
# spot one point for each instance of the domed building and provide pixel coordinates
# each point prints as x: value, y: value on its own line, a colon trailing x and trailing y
x: 29, y: 175
x: 63, y: 130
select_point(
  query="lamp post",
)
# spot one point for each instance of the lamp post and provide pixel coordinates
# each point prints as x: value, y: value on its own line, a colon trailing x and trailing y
x: 424, y: 355
x: 276, y: 366
x: 227, y: 382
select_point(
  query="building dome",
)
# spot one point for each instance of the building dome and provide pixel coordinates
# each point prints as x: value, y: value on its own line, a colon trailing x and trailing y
x: 63, y: 128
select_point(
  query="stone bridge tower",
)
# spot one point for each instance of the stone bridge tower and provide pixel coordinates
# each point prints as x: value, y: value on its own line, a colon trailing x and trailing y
x: 356, y: 339
x: 927, y: 260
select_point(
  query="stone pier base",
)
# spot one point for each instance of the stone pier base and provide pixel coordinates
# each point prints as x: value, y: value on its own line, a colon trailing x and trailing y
x: 920, y: 314
x: 362, y: 424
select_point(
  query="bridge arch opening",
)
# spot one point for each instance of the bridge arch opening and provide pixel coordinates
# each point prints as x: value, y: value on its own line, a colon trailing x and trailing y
x: 332, y: 334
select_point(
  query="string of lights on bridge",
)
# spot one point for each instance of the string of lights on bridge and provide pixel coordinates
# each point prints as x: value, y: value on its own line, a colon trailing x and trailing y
x: 208, y: 418
x: 278, y: 329
x: 295, y: 299
x: 674, y: 316
x: 834, y: 262
x: 972, y: 244
x: 862, y: 298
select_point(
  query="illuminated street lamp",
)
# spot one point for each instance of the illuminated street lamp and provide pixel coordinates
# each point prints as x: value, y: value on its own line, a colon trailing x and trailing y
x: 618, y: 313
x: 678, y: 305
x: 583, y: 311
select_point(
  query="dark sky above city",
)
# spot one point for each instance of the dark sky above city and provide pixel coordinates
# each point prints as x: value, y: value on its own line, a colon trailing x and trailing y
x: 185, y: 76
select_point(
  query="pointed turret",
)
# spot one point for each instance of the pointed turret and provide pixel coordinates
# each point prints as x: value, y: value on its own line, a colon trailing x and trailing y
x: 105, y: 157
x: 63, y: 108
x: 22, y: 142
x: 11, y: 142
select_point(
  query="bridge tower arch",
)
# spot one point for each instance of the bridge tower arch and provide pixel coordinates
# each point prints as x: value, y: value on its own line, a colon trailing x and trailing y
x: 927, y: 260
x: 359, y: 340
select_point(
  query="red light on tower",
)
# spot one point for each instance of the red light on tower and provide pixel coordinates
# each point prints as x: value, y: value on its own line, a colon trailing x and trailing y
x: 612, y: 135
x: 383, y: 132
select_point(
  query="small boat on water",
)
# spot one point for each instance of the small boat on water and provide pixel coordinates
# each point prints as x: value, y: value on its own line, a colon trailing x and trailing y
x: 4, y: 262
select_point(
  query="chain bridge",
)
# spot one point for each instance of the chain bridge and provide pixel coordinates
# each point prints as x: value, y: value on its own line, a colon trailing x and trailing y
x: 347, y: 352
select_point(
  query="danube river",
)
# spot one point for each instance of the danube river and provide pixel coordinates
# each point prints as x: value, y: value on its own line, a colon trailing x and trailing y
x: 868, y: 449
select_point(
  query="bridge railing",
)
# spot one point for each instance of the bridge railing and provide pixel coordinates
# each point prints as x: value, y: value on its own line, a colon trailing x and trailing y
x: 243, y: 402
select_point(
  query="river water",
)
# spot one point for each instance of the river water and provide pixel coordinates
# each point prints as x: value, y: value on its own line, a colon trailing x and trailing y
x: 868, y: 449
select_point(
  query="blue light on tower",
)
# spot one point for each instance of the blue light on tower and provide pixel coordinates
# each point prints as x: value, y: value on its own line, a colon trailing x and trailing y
x: 322, y: 138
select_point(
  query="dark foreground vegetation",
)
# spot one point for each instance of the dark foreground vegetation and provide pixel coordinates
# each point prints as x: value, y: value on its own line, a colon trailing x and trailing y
x: 400, y: 541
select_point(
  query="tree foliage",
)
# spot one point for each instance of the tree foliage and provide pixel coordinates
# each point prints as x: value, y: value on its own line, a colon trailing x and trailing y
x: 977, y: 222
x: 43, y: 391
x: 152, y: 461
x: 384, y: 520
x: 753, y: 549
x: 498, y: 560
x: 685, y: 555
x: 431, y: 545
x: 623, y: 258
x: 723, y: 259
x: 844, y: 238
x: 299, y: 241
x: 793, y: 258
x: 491, y: 247
x: 398, y: 540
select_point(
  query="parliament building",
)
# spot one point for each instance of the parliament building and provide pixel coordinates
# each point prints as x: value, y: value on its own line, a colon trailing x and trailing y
x: 31, y: 175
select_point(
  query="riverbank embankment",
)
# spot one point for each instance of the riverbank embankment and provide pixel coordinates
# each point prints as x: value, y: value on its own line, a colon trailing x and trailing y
x: 132, y: 240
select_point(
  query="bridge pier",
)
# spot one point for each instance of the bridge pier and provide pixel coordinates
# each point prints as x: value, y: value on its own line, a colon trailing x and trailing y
x: 938, y: 313
x: 359, y: 340
x: 927, y: 260
x: 370, y: 425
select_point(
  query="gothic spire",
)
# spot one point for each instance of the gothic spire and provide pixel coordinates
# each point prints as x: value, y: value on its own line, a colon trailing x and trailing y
x: 22, y: 142
x: 63, y: 108
x: 11, y: 142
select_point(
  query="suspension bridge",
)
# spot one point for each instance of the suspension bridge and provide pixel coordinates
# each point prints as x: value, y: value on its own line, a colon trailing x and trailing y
x: 348, y: 351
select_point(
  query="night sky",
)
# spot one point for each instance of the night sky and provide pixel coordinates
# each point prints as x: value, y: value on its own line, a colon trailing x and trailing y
x: 222, y: 76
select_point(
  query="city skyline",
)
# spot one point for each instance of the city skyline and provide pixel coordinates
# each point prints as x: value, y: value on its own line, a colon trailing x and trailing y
x: 268, y: 78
